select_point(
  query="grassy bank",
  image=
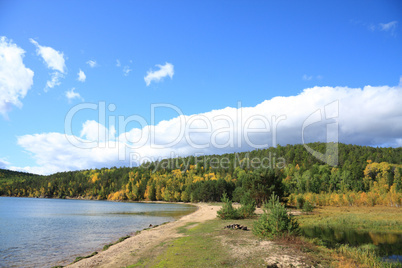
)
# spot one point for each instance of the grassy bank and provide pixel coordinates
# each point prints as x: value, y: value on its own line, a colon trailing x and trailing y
x: 369, y: 219
x: 372, y: 220
x: 209, y: 244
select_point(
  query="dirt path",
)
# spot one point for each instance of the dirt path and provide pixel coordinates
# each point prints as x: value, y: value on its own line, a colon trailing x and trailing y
x: 130, y: 250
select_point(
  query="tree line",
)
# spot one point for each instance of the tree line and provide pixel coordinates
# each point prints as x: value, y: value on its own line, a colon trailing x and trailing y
x: 364, y: 176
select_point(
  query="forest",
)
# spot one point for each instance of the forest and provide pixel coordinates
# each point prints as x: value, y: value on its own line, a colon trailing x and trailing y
x: 364, y: 176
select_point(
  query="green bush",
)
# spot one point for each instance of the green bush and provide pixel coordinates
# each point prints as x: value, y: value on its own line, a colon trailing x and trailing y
x: 307, y: 207
x: 238, y: 194
x: 299, y: 202
x: 247, y: 209
x: 275, y: 221
x: 227, y: 211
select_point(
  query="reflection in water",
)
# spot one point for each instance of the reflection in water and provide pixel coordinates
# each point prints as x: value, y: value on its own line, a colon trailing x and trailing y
x: 387, y: 244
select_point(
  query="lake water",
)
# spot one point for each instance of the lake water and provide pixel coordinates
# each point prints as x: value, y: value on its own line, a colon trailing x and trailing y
x: 37, y: 232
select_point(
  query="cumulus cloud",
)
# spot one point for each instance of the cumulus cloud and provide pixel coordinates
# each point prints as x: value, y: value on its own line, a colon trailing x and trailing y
x: 93, y: 131
x: 365, y: 116
x: 54, y: 153
x: 156, y: 76
x: 81, y: 76
x: 71, y: 94
x: 92, y: 63
x: 53, y: 58
x: 15, y: 78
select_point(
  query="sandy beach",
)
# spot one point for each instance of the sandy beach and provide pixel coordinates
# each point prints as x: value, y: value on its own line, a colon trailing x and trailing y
x: 130, y: 250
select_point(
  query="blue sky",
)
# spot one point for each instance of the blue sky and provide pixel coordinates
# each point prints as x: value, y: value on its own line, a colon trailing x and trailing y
x: 204, y: 56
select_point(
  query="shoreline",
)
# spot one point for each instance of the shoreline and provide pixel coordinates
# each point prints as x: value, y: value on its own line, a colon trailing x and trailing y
x: 129, y: 251
x: 68, y: 261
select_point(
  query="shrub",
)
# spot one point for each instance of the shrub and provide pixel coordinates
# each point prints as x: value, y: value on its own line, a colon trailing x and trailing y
x: 238, y: 194
x: 291, y: 200
x: 275, y: 221
x: 227, y: 211
x: 247, y: 208
x: 307, y: 207
x: 299, y: 202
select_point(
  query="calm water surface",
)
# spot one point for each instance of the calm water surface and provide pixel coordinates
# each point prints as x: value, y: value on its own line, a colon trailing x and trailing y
x: 387, y: 245
x: 37, y: 232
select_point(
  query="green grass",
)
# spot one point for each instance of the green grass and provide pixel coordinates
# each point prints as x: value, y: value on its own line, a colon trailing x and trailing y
x: 198, y: 248
x: 369, y: 219
x: 365, y: 254
x: 121, y: 239
x: 209, y: 244
x: 201, y: 246
x: 184, y: 229
x: 364, y: 219
x: 85, y: 257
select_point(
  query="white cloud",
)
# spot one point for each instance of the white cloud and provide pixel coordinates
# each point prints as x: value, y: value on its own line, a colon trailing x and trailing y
x: 71, y: 94
x: 164, y: 70
x: 306, y: 77
x: 54, y: 80
x: 386, y: 27
x: 367, y: 116
x: 93, y: 131
x: 92, y: 63
x: 4, y: 164
x: 53, y: 152
x: 53, y: 58
x: 54, y: 61
x: 81, y: 76
x: 126, y: 70
x: 390, y: 26
x: 15, y: 78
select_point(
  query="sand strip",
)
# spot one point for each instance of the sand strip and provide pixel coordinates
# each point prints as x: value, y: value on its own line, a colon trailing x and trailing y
x: 130, y: 250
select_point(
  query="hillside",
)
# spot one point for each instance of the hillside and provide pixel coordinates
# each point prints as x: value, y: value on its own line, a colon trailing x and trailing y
x: 10, y: 175
x: 289, y: 170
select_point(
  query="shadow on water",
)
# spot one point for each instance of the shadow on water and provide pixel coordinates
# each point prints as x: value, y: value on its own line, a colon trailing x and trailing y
x: 388, y: 245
